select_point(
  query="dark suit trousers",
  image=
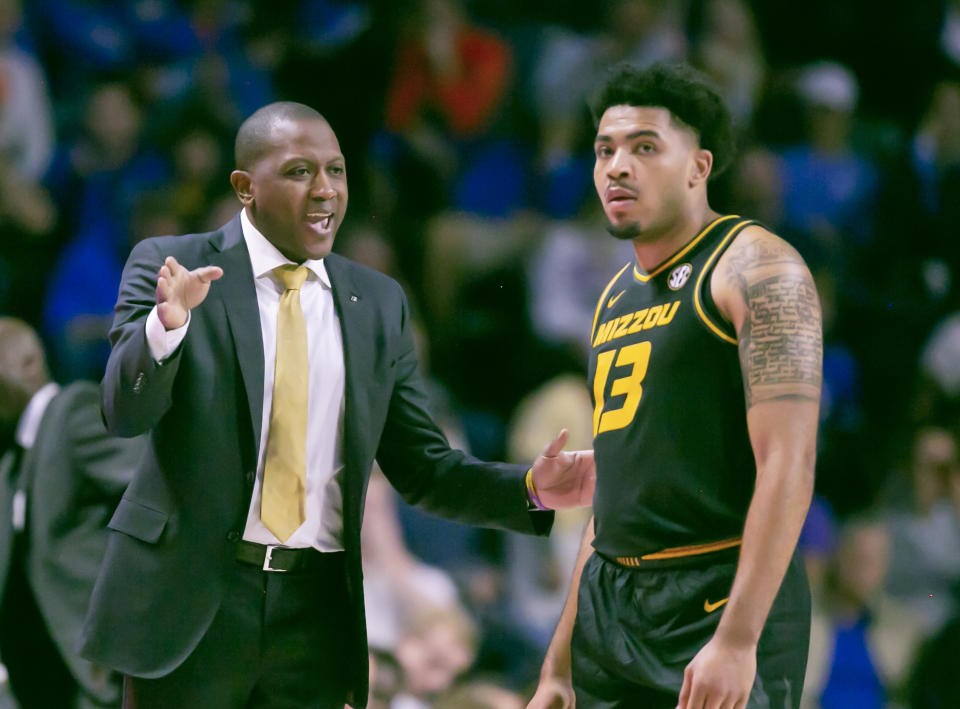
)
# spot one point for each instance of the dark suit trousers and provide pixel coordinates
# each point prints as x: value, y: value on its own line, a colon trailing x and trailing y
x: 279, y: 641
x: 39, y: 678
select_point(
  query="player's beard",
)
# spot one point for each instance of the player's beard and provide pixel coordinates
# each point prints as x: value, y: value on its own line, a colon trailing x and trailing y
x: 624, y: 232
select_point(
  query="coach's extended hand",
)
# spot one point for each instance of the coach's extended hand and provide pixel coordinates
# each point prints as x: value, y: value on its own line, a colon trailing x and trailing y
x: 564, y: 479
x: 180, y: 290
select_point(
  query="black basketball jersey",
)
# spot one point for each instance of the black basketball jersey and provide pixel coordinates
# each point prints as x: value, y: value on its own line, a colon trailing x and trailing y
x: 675, y: 470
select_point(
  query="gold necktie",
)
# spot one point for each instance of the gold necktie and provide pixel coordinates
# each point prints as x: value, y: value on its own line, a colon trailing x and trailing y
x: 285, y: 469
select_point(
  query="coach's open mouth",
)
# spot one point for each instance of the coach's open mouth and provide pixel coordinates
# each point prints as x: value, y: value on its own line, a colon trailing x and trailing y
x: 321, y: 219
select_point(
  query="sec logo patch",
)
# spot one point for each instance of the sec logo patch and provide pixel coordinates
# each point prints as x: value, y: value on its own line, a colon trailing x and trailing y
x: 679, y: 276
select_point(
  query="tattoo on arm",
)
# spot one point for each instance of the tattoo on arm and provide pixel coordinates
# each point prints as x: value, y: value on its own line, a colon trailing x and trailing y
x: 781, y: 339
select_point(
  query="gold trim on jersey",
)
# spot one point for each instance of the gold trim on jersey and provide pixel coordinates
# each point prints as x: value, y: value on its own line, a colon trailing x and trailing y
x: 714, y: 328
x: 678, y: 552
x: 603, y: 297
x: 644, y: 277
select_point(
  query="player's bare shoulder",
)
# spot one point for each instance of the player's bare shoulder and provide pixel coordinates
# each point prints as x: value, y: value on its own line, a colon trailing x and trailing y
x: 764, y: 287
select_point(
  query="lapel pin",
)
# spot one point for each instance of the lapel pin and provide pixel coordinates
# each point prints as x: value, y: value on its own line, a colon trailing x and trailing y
x: 353, y: 299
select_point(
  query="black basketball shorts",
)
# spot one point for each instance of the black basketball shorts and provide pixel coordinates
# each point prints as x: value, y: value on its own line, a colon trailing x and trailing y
x: 638, y: 628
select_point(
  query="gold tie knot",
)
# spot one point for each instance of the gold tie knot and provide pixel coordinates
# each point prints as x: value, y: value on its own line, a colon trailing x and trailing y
x: 292, y: 277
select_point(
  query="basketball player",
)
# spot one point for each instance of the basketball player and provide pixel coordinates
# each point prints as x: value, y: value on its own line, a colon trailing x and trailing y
x: 705, y: 369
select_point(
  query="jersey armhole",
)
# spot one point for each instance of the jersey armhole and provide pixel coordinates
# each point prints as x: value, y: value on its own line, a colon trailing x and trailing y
x: 707, y: 311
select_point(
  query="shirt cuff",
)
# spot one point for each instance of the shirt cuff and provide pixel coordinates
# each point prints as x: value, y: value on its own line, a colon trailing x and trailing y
x: 163, y: 342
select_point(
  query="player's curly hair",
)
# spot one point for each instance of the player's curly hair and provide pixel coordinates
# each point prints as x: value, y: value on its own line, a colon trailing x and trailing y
x: 687, y: 93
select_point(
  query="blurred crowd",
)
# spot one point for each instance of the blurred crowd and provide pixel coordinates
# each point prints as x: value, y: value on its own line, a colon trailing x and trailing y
x: 468, y: 147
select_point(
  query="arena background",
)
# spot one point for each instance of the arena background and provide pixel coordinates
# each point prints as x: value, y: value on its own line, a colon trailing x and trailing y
x: 467, y: 141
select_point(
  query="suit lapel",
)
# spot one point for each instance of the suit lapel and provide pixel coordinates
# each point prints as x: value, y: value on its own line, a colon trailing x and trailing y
x: 354, y: 313
x: 239, y: 296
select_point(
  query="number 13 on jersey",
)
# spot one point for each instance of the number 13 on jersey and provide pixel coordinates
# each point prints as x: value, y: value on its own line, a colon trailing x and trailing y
x: 637, y: 356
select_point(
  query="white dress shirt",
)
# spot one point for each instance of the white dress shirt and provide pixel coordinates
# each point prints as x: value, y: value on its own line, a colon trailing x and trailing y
x: 323, y: 527
x: 26, y: 435
x: 29, y: 424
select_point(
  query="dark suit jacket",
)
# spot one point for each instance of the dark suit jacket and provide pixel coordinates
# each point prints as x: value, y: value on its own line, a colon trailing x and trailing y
x: 177, y: 525
x: 75, y: 473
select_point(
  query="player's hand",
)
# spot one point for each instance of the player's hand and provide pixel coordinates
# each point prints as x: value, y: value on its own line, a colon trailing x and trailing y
x: 564, y: 479
x: 553, y: 693
x: 719, y: 677
x: 179, y: 290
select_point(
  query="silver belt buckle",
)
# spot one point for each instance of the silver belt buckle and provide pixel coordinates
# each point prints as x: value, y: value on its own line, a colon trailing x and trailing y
x: 269, y: 556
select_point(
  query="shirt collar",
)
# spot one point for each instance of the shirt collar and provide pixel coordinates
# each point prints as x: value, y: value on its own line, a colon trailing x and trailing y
x: 29, y: 422
x: 264, y: 256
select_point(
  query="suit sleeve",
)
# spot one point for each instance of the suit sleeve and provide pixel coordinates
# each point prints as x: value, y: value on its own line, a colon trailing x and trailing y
x: 418, y: 461
x: 136, y: 389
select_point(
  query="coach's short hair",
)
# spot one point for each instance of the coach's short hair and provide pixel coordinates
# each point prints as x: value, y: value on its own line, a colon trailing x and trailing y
x: 687, y: 93
x: 253, y: 137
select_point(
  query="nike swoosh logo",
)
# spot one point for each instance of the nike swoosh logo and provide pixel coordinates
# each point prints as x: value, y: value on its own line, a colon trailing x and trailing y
x: 615, y: 298
x: 711, y: 607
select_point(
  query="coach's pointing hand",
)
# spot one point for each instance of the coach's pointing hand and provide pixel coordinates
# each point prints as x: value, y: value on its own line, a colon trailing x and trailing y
x: 180, y: 290
x: 564, y: 479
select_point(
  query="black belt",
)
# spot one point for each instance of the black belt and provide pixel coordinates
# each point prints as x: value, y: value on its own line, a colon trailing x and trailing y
x: 275, y: 558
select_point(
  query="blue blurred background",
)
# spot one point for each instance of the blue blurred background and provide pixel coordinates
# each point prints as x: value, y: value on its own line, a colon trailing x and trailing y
x: 468, y: 147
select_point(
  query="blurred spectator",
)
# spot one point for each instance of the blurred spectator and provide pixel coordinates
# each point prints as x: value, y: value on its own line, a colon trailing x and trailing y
x: 102, y: 176
x: 861, y: 642
x: 757, y: 187
x: 728, y: 50
x: 27, y: 213
x: 757, y: 192
x: 829, y: 188
x: 26, y: 116
x: 935, y: 158
x: 639, y: 32
x: 463, y: 246
x: 570, y: 65
x: 843, y: 475
x: 199, y: 164
x: 575, y: 251
x: 939, y: 394
x: 476, y: 304
x: 479, y: 695
x: 450, y: 67
x: 936, y: 144
x: 364, y: 243
x: 222, y: 208
x: 925, y: 529
x: 99, y: 173
x: 83, y: 284
x: 84, y: 39
x: 436, y: 647
x: 27, y: 218
x: 60, y: 479
x: 222, y: 69
x: 396, y: 584
x: 450, y: 83
x: 950, y: 33
x: 841, y: 406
